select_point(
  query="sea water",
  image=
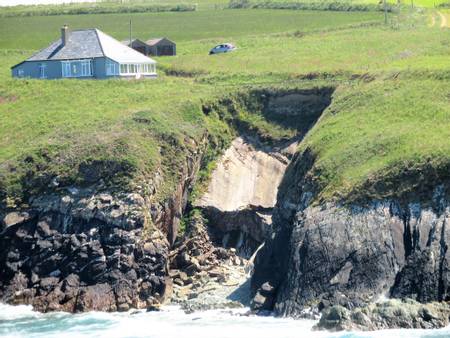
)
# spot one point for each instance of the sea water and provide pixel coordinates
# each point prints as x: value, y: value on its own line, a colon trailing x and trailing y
x: 21, y: 321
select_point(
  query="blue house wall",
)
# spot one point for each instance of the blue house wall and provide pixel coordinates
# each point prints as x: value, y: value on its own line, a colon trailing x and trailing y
x: 31, y: 69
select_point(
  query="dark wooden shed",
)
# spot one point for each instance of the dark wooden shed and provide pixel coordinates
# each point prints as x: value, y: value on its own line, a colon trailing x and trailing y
x: 161, y: 47
x: 138, y: 45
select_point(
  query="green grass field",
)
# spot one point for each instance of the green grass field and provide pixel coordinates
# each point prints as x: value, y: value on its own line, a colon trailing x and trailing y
x: 401, y: 116
x: 21, y: 33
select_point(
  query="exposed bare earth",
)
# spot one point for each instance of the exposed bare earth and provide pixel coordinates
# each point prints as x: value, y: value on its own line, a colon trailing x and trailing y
x: 245, y: 176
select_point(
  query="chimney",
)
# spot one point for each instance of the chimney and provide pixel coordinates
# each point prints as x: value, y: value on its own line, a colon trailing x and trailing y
x: 64, y: 35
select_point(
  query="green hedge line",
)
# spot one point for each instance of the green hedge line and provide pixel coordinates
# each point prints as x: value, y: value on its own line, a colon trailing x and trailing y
x: 313, y: 5
x: 97, y: 8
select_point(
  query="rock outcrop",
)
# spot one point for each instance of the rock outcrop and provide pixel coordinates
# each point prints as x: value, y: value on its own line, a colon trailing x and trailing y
x: 206, y: 277
x: 78, y: 249
x: 83, y: 253
x: 350, y: 255
x: 392, y: 314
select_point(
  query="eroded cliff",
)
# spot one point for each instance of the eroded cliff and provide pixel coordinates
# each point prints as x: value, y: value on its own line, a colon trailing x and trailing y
x: 88, y: 241
x: 351, y: 254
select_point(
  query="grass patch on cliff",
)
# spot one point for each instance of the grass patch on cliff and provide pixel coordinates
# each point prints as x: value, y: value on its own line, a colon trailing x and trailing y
x: 383, y: 139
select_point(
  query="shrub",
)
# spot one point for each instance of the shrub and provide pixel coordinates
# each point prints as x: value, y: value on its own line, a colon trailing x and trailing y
x: 97, y: 8
x: 314, y: 5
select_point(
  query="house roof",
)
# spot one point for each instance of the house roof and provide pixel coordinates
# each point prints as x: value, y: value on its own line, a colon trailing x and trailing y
x: 153, y: 42
x: 90, y: 43
x: 117, y: 51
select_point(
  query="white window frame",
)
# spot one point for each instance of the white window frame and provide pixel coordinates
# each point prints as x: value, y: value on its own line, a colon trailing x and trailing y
x: 86, y: 66
x: 137, y: 68
x: 20, y: 73
x: 42, y: 71
x: 66, y: 70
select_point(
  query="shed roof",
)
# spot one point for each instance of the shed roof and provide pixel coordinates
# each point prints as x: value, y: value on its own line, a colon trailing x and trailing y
x: 153, y: 42
x: 90, y: 43
x: 127, y: 42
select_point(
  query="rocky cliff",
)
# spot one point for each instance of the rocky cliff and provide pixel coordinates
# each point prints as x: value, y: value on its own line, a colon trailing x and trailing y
x: 86, y: 248
x: 351, y: 254
x: 242, y: 192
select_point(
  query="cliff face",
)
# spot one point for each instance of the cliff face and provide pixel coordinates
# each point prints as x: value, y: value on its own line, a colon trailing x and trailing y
x: 242, y: 192
x: 79, y: 244
x: 81, y: 249
x: 351, y: 255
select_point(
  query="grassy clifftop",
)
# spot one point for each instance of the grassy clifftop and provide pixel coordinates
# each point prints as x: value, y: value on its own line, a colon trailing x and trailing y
x: 383, y: 139
x: 390, y: 110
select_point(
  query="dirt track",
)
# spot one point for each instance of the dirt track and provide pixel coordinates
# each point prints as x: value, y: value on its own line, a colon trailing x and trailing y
x: 444, y: 22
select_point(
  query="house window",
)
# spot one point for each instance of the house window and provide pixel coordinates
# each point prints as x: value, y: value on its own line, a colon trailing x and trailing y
x: 111, y: 68
x: 42, y: 70
x: 86, y: 69
x: 66, y: 69
x: 77, y: 68
x: 142, y: 68
x: 20, y: 73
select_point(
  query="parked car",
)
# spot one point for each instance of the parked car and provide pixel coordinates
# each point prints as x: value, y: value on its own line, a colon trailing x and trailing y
x: 223, y: 48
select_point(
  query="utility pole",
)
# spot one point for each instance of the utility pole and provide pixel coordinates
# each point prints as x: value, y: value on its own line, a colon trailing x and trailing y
x: 130, y: 34
x: 385, y: 12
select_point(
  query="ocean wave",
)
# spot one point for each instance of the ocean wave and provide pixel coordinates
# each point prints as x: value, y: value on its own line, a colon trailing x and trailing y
x: 22, y: 321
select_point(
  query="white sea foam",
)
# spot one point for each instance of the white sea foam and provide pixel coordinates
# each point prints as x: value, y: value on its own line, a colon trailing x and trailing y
x: 21, y: 321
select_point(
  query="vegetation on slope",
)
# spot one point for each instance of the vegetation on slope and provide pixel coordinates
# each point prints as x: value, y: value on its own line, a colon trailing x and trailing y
x: 389, y: 112
x: 383, y: 139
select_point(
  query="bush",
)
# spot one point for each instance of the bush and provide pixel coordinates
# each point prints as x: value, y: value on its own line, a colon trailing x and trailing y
x: 314, y: 5
x: 95, y: 8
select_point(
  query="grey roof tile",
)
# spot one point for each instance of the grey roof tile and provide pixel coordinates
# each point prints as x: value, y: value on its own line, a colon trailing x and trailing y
x: 81, y: 44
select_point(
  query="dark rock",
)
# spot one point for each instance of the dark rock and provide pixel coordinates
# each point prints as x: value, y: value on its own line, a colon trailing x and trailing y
x: 222, y: 253
x: 334, y: 318
x: 48, y: 283
x: 261, y: 302
x: 192, y: 269
x: 154, y: 308
x: 406, y: 314
x: 99, y: 297
x: 178, y: 281
x: 421, y: 279
x: 348, y: 255
x: 68, y: 259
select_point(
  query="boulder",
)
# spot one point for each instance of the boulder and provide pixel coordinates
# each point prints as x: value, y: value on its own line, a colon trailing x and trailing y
x: 99, y: 297
x: 392, y: 314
